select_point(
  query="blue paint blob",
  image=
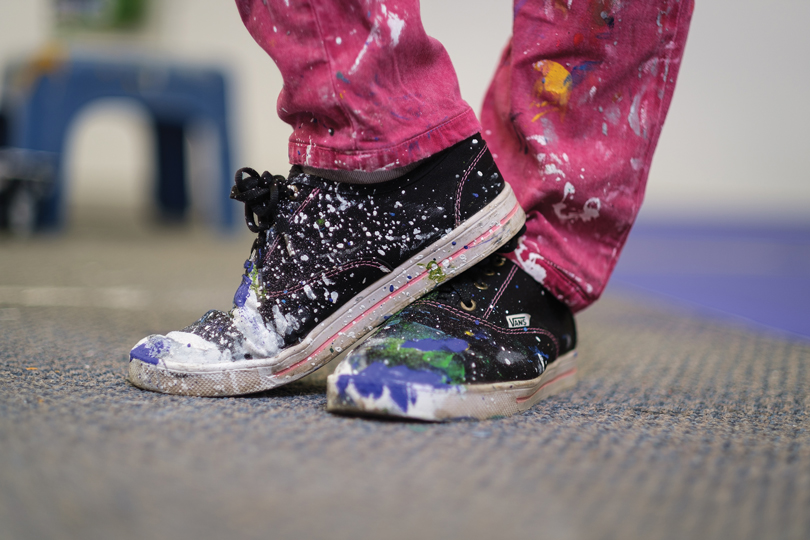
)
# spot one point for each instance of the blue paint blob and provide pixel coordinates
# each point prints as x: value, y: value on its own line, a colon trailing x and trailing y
x: 148, y: 352
x: 242, y: 292
x: 372, y: 381
x: 449, y: 344
x: 391, y: 288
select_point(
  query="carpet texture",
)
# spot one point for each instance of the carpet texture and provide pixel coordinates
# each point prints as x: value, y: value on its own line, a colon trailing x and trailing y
x: 680, y: 427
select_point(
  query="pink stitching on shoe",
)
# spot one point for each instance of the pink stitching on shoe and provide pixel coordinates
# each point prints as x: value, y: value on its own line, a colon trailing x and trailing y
x: 464, y: 179
x: 309, y: 199
x: 503, y: 288
x: 330, y: 273
x: 540, y: 331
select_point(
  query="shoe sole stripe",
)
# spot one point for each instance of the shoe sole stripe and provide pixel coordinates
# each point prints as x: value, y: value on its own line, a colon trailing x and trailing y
x: 503, y: 218
x: 476, y: 401
x: 404, y: 289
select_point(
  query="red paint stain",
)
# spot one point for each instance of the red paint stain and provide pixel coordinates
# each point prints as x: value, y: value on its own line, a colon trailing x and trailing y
x: 578, y: 39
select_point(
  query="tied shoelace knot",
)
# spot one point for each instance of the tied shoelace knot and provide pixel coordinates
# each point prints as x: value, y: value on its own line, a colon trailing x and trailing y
x: 261, y: 194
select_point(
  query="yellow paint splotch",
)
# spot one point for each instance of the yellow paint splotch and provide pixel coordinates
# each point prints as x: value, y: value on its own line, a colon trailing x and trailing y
x: 553, y: 89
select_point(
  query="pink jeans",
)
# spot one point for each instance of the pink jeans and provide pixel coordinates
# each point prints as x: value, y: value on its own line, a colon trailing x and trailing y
x: 572, y: 116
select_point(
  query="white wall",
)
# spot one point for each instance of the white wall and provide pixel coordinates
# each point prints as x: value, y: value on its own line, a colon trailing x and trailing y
x: 733, y: 146
x: 736, y: 139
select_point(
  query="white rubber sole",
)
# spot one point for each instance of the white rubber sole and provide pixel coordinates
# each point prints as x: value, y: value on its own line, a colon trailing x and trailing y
x: 471, y: 242
x: 472, y: 401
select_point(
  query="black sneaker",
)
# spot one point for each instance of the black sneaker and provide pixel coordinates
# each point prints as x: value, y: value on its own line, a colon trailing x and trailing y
x: 332, y: 261
x: 491, y: 342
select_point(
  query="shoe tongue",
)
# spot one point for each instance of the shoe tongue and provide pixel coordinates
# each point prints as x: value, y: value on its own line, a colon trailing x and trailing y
x: 449, y: 291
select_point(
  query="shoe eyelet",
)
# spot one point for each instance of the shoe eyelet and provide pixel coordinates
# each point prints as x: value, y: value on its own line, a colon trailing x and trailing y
x: 489, y: 272
x: 293, y: 192
x: 481, y: 286
x: 499, y: 261
x: 465, y: 307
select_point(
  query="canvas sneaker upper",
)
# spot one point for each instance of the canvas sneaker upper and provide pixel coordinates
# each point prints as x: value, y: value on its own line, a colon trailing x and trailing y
x: 321, y: 244
x: 491, y: 328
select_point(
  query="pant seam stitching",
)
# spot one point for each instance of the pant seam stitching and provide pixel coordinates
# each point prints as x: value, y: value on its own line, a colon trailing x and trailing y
x: 405, y: 143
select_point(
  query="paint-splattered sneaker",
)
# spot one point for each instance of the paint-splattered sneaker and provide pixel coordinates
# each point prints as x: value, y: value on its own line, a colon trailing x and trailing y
x: 331, y: 262
x: 491, y: 342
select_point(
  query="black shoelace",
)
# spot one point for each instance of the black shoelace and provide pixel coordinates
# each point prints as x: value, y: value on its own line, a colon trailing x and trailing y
x: 260, y: 195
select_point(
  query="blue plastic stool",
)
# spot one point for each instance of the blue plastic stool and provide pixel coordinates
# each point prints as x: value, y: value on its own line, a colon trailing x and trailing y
x: 40, y: 114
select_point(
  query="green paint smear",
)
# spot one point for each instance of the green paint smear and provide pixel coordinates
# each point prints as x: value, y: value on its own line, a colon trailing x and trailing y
x: 434, y: 270
x: 443, y: 361
x: 255, y: 283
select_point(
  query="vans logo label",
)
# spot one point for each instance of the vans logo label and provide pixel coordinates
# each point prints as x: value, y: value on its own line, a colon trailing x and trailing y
x: 520, y: 320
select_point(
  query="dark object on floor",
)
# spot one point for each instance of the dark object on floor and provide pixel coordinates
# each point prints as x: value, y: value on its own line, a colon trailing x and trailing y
x: 26, y: 178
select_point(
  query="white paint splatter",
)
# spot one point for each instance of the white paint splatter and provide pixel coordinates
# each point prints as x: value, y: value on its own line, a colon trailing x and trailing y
x: 530, y: 264
x: 395, y: 24
x: 260, y: 340
x: 373, y: 37
x: 189, y: 348
x: 633, y: 117
x: 281, y: 322
x: 551, y: 169
x: 548, y: 130
x: 539, y: 138
x: 590, y: 210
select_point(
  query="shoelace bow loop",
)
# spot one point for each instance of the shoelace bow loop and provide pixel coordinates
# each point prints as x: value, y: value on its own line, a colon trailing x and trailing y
x: 261, y: 194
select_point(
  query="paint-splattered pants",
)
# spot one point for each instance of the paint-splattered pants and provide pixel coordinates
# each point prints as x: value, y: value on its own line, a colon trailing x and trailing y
x: 572, y: 116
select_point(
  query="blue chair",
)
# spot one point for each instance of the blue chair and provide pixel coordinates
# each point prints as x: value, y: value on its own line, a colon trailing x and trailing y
x: 40, y: 105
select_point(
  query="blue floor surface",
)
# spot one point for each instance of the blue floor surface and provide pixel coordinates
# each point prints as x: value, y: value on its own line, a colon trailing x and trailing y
x: 761, y: 274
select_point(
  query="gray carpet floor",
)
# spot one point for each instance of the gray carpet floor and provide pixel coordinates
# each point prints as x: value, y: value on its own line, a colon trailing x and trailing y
x: 680, y: 427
